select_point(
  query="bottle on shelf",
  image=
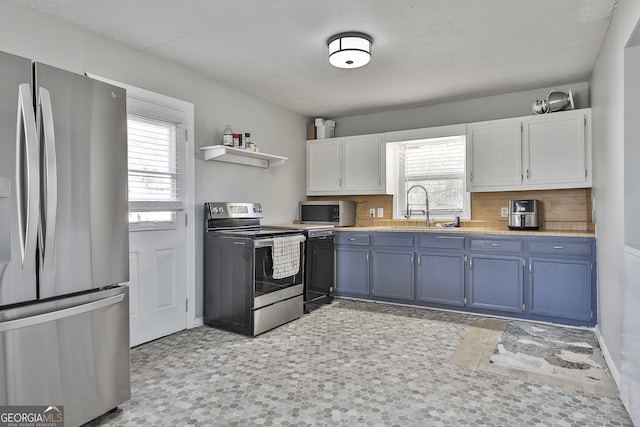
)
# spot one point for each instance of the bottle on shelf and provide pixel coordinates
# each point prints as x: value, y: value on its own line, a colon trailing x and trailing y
x: 227, y: 137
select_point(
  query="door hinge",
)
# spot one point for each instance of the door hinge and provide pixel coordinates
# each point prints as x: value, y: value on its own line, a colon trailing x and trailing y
x: 521, y: 128
x: 471, y: 176
x: 524, y: 307
x: 186, y: 304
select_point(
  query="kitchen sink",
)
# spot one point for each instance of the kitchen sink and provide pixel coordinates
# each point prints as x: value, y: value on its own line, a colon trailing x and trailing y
x: 419, y: 228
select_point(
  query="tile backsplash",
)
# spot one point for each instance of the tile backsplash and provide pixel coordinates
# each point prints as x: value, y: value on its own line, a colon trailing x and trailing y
x: 567, y: 209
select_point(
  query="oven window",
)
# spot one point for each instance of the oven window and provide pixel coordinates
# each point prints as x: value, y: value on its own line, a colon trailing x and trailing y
x: 264, y: 281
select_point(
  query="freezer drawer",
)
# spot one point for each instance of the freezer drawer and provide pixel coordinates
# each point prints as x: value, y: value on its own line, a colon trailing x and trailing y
x: 72, y: 352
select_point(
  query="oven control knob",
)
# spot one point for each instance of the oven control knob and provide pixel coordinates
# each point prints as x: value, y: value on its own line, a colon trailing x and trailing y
x: 220, y: 210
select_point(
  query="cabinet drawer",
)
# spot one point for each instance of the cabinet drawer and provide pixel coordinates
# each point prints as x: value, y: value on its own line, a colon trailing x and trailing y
x: 392, y: 239
x: 497, y: 245
x: 561, y: 247
x: 441, y: 241
x: 352, y: 239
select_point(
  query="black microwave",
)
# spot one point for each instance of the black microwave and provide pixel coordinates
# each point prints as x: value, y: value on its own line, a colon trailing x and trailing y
x: 341, y: 213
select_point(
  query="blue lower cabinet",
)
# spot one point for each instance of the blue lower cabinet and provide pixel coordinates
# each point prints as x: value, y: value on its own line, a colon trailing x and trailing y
x: 392, y: 274
x: 560, y: 288
x: 496, y: 283
x: 352, y: 271
x: 440, y: 278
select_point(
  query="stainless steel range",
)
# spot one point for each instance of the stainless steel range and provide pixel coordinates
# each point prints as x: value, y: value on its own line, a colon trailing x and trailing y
x: 253, y: 275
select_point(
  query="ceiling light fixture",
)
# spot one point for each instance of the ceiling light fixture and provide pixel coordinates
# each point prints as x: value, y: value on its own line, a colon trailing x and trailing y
x: 349, y: 50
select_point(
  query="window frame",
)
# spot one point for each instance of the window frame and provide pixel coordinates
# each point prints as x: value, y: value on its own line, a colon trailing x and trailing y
x: 153, y: 105
x: 414, y: 135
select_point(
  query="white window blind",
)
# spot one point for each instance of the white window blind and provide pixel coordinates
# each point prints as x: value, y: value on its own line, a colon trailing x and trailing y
x: 437, y: 164
x: 155, y: 167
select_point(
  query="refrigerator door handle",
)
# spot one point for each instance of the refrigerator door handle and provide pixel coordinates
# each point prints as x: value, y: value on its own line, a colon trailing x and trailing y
x: 27, y: 178
x: 47, y: 229
x: 59, y: 314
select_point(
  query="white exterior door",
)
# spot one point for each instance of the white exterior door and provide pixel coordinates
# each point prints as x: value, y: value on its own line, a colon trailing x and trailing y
x: 158, y: 282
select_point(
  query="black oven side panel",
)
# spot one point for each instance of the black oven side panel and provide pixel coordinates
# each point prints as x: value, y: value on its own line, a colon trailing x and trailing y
x: 228, y: 274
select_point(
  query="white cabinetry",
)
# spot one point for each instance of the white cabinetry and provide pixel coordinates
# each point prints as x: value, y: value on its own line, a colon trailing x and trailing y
x: 324, y: 166
x: 350, y: 165
x: 542, y: 152
x: 494, y: 154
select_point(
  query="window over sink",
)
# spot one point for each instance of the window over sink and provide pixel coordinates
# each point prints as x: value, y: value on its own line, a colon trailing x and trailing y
x: 438, y: 165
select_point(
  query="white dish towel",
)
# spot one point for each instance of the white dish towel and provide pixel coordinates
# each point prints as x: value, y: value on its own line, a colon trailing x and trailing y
x: 286, y: 256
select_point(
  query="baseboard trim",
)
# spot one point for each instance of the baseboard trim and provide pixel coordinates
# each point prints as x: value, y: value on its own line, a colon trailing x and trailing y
x: 198, y: 321
x: 607, y: 357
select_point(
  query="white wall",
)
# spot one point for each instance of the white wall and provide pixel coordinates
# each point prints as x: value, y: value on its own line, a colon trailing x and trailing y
x: 607, y: 102
x: 503, y: 106
x: 277, y: 131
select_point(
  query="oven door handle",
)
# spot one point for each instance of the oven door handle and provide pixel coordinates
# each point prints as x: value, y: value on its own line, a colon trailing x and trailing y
x: 263, y: 243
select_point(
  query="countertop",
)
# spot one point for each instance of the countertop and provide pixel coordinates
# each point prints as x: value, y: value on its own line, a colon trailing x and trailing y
x: 469, y: 230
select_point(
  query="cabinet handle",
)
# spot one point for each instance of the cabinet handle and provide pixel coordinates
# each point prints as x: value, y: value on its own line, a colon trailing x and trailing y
x: 527, y: 173
x: 450, y: 237
x: 367, y: 256
x: 419, y: 259
x: 351, y: 239
x: 558, y: 247
x: 495, y: 244
x: 411, y: 259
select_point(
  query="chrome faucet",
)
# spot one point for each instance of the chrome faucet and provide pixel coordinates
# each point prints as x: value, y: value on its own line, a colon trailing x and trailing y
x: 426, y: 197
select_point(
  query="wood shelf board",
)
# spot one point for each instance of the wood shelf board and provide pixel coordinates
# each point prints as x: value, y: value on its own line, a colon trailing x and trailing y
x: 223, y: 153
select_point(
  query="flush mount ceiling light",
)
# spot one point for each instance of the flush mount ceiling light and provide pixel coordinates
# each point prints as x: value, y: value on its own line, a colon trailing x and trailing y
x: 349, y: 50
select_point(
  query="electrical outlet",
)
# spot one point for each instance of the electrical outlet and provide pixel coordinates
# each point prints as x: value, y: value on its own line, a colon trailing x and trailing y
x: 380, y: 212
x: 372, y: 213
x: 504, y: 212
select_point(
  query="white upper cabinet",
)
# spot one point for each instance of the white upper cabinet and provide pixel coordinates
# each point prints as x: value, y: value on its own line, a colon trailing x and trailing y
x: 350, y: 165
x: 557, y: 150
x: 549, y: 151
x: 494, y: 154
x: 324, y: 166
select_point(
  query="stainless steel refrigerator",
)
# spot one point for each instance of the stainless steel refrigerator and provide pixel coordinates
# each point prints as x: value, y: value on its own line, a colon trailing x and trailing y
x: 64, y: 251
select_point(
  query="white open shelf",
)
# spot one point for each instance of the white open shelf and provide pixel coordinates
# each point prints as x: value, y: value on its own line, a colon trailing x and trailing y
x: 223, y: 153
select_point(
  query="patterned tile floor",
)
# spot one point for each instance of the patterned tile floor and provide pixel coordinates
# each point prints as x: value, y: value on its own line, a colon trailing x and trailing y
x: 352, y: 363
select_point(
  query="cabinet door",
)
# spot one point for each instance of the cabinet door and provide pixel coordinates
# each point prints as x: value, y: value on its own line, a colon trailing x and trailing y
x: 324, y: 167
x: 494, y: 155
x: 496, y: 283
x: 352, y: 271
x: 556, y: 154
x: 363, y: 164
x: 560, y: 288
x: 392, y: 274
x: 440, y: 278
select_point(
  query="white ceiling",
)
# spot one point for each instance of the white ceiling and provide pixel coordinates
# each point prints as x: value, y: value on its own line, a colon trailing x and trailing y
x: 424, y: 51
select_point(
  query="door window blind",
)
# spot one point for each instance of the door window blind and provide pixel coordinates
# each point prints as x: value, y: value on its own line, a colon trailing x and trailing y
x: 155, y: 165
x: 437, y: 164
